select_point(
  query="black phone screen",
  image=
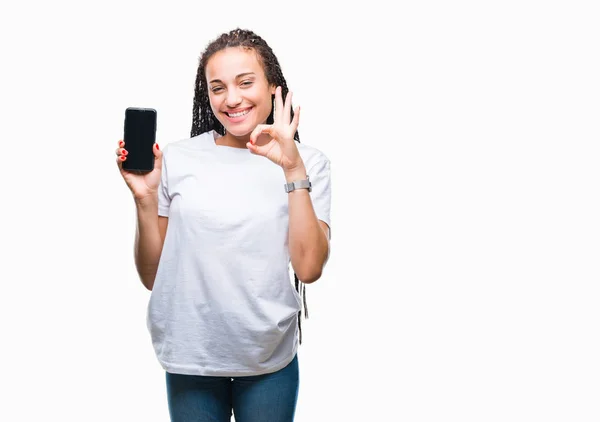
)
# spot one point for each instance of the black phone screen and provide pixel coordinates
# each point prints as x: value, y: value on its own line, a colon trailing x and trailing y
x: 139, y: 137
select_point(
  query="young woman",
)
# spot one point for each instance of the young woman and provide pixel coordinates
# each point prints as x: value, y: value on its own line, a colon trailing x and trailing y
x: 219, y: 221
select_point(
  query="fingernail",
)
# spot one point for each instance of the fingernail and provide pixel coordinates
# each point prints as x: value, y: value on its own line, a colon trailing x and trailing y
x: 121, y: 143
x: 124, y: 152
x: 157, y: 146
x: 122, y: 157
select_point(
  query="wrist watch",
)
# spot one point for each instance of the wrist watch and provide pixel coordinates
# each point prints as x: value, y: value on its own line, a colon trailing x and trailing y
x: 298, y: 184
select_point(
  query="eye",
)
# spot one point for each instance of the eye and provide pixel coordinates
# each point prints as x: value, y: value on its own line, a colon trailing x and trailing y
x: 216, y: 89
x: 246, y: 83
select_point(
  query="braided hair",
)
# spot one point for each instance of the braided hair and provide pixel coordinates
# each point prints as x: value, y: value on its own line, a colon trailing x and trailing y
x: 203, y: 118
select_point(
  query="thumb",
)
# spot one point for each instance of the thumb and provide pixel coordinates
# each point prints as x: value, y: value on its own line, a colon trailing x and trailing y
x: 157, y: 156
x: 256, y: 149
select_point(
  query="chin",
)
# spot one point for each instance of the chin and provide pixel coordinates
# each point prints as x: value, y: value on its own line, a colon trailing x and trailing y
x: 239, y: 131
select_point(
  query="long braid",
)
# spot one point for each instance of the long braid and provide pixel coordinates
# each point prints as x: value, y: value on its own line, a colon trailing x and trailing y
x: 203, y: 118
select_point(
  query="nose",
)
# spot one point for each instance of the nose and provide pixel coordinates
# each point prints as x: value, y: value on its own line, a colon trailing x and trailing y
x: 233, y: 98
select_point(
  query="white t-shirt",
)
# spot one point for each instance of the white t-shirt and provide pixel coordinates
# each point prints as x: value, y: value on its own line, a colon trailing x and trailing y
x: 223, y: 303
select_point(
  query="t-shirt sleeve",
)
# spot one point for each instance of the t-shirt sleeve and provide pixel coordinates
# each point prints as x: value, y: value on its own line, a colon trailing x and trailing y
x: 164, y: 200
x: 320, y: 178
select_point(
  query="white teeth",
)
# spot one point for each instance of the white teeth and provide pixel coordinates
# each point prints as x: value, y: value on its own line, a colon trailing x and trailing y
x: 241, y: 113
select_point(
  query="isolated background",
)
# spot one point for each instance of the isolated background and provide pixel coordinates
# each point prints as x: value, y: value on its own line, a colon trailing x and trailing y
x: 463, y: 283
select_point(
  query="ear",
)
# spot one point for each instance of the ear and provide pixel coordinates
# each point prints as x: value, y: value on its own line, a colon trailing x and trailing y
x: 273, y: 89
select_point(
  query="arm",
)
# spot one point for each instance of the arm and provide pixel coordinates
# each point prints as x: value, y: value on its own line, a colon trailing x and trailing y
x: 308, y: 236
x: 149, y: 239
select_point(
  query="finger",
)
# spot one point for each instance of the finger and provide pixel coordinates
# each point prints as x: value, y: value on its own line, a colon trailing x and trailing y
x: 278, y: 106
x: 287, y: 108
x: 254, y: 149
x: 258, y: 130
x: 120, y: 159
x: 121, y: 151
x: 258, y: 149
x: 296, y: 119
x: 120, y: 147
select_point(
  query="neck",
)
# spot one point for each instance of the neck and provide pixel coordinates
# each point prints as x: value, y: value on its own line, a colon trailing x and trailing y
x: 230, y: 140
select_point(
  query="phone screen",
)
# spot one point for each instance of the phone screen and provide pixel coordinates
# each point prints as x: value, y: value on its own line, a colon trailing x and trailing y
x: 139, y: 137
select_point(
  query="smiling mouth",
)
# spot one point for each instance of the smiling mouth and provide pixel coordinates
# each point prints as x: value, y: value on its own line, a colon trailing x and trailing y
x: 238, y: 113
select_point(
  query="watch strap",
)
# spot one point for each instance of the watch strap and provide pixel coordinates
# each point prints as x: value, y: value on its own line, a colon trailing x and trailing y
x: 298, y: 184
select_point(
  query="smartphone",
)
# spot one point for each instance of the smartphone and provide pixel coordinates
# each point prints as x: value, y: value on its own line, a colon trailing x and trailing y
x: 139, y: 137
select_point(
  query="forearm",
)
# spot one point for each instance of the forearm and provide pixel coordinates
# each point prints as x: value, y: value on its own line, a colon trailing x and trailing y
x: 148, y: 241
x: 308, y: 244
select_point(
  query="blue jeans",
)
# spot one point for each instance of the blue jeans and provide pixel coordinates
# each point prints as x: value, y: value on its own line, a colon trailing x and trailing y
x: 269, y: 397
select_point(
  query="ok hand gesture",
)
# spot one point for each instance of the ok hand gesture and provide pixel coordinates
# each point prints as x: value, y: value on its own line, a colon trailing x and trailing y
x: 276, y: 141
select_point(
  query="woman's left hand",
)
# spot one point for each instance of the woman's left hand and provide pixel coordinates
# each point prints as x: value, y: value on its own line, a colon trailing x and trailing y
x: 276, y: 141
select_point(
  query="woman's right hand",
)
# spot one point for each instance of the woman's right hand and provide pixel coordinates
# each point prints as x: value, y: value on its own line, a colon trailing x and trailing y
x: 142, y: 185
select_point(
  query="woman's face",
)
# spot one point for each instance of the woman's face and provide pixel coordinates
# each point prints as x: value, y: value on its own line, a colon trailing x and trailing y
x: 239, y: 94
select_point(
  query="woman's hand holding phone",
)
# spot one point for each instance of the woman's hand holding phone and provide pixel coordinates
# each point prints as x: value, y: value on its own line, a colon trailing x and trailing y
x: 142, y: 185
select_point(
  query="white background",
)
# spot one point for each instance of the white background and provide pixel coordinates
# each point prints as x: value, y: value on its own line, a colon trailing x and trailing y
x: 463, y: 283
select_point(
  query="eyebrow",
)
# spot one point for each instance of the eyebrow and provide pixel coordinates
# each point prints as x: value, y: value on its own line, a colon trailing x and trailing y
x: 237, y: 77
